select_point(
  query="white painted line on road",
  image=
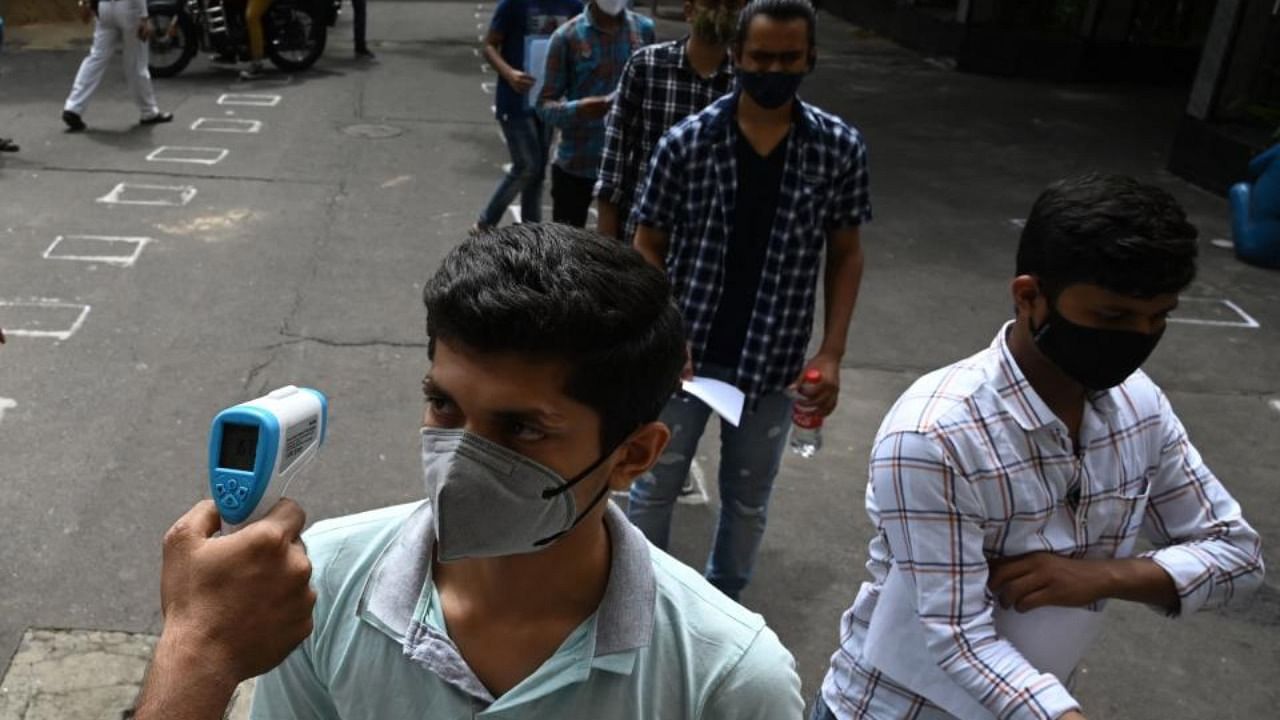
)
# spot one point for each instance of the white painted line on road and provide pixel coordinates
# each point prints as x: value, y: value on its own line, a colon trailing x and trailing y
x: 97, y: 249
x: 1208, y: 311
x: 256, y: 100
x: 1018, y: 222
x: 486, y: 68
x: 189, y: 155
x: 1275, y: 405
x: 154, y: 195
x: 1223, y: 243
x: 227, y: 125
x: 698, y: 479
x: 37, y: 327
x: 6, y: 404
x: 488, y: 87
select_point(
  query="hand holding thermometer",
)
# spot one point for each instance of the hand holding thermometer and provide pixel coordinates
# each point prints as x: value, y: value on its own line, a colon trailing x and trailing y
x: 257, y: 448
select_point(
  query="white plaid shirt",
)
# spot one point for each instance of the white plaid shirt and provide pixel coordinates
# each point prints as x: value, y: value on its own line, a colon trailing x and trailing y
x: 689, y: 193
x: 970, y: 464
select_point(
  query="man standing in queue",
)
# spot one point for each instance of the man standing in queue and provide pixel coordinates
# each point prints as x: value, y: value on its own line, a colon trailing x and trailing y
x: 740, y: 203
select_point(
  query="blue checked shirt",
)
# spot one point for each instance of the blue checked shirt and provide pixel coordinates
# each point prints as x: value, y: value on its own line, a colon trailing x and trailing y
x: 689, y: 194
x: 585, y: 60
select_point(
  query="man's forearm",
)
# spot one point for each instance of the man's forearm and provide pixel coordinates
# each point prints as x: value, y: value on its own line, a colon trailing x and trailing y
x: 652, y: 244
x: 182, y: 684
x: 841, y: 282
x: 607, y: 223
x: 496, y: 61
x: 1144, y: 581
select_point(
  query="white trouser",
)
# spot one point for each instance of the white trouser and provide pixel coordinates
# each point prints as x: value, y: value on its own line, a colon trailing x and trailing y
x: 118, y: 20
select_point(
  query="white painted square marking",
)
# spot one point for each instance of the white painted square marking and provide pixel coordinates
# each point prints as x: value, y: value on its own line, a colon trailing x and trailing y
x: 488, y: 87
x: 227, y: 125
x: 154, y: 195
x: 6, y: 404
x: 1216, y: 312
x: 189, y: 155
x: 256, y: 100
x: 108, y: 249
x: 1275, y: 405
x: 41, y: 318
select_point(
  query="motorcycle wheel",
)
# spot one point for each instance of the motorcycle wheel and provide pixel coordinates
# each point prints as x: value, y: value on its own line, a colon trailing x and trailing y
x: 174, y: 43
x: 295, y: 38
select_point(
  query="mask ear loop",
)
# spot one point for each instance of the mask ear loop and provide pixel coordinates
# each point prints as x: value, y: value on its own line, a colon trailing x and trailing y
x: 595, y: 501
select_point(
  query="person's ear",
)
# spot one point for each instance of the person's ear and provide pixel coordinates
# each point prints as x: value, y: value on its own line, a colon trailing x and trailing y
x: 1026, y: 295
x: 639, y: 453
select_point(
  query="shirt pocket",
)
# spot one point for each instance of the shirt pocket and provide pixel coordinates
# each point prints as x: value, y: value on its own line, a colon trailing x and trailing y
x: 1115, y: 519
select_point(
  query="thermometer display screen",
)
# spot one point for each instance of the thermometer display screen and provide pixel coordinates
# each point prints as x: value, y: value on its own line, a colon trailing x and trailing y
x: 239, y: 447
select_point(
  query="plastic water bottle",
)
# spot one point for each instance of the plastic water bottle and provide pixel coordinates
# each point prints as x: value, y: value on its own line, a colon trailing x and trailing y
x: 806, y: 436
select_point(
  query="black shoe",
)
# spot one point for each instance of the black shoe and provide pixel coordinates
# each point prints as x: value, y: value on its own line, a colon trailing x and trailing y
x: 157, y: 119
x: 364, y: 53
x: 73, y: 121
x: 7, y: 145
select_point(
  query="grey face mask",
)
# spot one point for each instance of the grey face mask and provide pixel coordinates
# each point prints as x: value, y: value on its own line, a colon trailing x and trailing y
x: 490, y: 501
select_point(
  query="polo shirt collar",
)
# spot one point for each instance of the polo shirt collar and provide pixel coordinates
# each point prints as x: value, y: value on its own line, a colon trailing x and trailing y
x: 623, y: 623
x: 1021, y: 400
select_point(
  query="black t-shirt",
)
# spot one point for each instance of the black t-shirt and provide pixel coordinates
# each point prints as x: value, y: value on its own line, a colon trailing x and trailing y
x: 759, y: 184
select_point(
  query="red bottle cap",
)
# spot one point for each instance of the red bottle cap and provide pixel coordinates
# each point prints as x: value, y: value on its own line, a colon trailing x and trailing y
x: 813, y: 375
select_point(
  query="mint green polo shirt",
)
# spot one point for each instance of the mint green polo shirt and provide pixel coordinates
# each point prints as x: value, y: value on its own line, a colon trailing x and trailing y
x: 663, y: 644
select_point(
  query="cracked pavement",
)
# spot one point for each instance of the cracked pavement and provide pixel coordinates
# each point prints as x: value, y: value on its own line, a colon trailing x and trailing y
x: 301, y: 260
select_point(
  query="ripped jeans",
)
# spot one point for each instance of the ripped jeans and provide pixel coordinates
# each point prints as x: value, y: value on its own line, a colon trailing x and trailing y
x: 749, y: 459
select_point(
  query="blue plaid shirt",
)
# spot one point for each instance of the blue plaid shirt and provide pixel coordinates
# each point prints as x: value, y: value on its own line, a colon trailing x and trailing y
x: 689, y: 194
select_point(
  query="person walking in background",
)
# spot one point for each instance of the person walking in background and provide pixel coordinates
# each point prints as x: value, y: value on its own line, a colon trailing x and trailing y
x: 739, y: 204
x: 257, y: 38
x: 515, y: 24
x: 661, y: 85
x: 360, y: 29
x: 116, y: 22
x: 584, y: 63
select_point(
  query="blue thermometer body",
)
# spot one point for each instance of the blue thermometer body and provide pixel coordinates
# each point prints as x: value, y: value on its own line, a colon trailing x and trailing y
x: 257, y: 448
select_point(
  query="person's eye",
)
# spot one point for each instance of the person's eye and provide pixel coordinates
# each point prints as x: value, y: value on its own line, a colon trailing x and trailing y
x: 441, y: 406
x: 526, y: 433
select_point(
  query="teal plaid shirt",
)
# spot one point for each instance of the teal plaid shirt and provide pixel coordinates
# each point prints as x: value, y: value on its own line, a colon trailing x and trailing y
x: 584, y: 60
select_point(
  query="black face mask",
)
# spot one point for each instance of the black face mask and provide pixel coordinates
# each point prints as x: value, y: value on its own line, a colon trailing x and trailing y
x: 1096, y: 358
x: 770, y: 90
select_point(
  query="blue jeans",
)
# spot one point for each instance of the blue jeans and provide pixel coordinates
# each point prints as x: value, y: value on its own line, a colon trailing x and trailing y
x: 528, y: 141
x: 749, y: 459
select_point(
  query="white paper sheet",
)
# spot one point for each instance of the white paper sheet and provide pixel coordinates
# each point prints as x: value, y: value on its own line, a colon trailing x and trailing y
x: 725, y: 399
x: 1053, y: 639
x: 535, y: 62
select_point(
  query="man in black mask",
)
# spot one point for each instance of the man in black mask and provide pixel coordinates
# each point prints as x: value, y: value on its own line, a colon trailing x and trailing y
x: 739, y: 205
x: 1008, y: 489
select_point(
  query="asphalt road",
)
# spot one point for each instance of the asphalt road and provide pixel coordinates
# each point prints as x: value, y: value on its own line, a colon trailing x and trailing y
x: 300, y: 258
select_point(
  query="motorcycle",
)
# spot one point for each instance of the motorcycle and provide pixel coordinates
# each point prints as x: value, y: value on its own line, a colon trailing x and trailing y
x: 295, y: 32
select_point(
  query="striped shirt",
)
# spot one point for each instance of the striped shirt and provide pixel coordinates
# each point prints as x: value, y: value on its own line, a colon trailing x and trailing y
x: 970, y: 464
x: 690, y: 193
x: 659, y: 88
x: 585, y: 60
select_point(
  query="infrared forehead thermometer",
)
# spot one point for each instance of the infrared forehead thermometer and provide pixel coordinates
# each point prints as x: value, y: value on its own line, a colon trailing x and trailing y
x: 257, y: 448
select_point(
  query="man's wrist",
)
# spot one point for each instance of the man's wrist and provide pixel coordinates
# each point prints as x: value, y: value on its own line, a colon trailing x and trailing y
x: 184, y: 682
